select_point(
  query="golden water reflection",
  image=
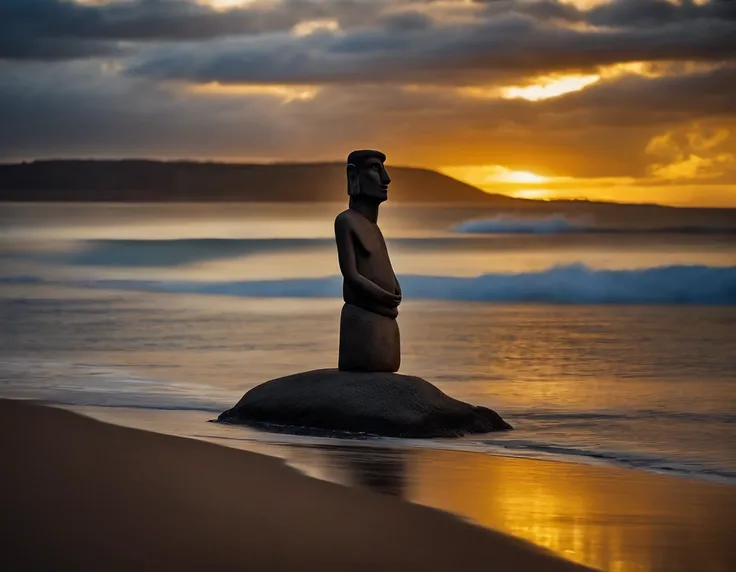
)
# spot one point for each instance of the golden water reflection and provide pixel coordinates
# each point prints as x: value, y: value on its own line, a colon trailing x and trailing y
x: 611, y: 519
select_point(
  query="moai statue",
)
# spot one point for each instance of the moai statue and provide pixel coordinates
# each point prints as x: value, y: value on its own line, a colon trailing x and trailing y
x: 369, y: 334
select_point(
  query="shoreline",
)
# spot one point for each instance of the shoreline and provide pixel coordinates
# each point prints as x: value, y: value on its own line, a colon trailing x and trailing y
x: 120, y: 415
x: 605, y: 517
x: 87, y: 495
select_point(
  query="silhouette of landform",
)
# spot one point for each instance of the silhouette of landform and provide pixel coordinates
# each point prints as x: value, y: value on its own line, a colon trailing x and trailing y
x: 161, y: 181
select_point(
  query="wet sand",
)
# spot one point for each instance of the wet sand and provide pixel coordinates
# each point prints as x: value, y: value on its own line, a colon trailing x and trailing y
x: 270, y: 516
x: 605, y: 517
x: 79, y: 494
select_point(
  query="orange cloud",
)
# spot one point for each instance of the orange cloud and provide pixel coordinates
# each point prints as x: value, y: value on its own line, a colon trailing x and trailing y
x: 690, y: 154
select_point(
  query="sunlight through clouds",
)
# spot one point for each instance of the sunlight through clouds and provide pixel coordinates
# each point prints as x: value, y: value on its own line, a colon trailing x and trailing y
x: 482, y: 175
x: 544, y: 87
x: 585, y: 4
x: 550, y: 87
x: 286, y: 93
x: 556, y: 85
x: 535, y: 194
x: 223, y: 5
x: 530, y: 98
x: 99, y: 2
x: 309, y: 27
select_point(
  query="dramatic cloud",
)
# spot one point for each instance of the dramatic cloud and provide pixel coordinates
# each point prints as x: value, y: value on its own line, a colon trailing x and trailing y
x: 55, y: 29
x: 557, y: 94
x: 503, y: 45
x: 690, y: 154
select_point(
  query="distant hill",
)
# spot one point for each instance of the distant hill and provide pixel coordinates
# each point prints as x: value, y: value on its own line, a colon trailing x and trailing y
x: 160, y: 181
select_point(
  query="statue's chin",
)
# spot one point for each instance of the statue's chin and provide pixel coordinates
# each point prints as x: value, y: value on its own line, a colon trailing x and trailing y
x: 366, y: 198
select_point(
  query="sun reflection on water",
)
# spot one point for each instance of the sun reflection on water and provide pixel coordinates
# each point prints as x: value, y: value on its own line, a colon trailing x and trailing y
x: 610, y: 519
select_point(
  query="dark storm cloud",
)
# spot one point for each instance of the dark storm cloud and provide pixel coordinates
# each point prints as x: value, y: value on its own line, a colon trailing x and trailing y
x: 16, y: 46
x: 404, y: 21
x: 73, y: 109
x: 473, y: 53
x: 58, y: 29
x: 502, y: 30
x: 658, y: 12
x: 609, y: 124
x: 624, y: 13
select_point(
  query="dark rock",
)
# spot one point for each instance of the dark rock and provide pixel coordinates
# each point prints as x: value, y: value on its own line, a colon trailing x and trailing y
x: 387, y: 404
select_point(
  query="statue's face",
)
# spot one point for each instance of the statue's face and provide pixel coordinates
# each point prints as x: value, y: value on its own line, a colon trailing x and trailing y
x: 373, y: 179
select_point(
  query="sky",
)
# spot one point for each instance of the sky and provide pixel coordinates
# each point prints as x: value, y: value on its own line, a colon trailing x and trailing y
x: 623, y: 100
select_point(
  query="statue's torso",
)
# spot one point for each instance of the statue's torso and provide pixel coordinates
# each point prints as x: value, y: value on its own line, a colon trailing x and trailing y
x: 371, y: 255
x: 369, y: 334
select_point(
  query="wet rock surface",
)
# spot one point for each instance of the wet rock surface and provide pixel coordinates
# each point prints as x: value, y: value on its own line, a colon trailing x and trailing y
x: 375, y: 403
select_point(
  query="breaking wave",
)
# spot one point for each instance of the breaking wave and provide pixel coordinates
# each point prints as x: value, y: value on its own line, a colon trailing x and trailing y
x: 572, y: 284
x: 505, y: 224
x: 562, y: 224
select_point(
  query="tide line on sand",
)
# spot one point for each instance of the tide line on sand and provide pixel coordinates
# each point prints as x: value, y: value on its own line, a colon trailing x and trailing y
x: 84, y: 495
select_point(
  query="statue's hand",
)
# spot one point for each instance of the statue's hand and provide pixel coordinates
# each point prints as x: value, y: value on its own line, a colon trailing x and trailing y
x: 383, y: 303
x: 387, y: 299
x: 390, y: 312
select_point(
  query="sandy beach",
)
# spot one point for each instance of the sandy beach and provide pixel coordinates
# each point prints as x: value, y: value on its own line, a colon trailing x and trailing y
x: 602, y: 516
x: 85, y: 495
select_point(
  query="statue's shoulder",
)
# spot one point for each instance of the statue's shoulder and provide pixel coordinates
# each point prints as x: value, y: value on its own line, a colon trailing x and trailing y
x: 346, y: 219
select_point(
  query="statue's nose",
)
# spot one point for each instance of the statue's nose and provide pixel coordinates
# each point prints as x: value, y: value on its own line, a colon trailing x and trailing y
x: 385, y: 179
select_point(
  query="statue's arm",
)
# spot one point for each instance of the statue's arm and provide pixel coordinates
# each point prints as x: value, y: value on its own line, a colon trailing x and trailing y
x: 398, y: 286
x: 349, y: 268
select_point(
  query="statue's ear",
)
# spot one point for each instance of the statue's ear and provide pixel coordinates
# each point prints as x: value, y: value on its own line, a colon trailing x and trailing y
x: 353, y: 182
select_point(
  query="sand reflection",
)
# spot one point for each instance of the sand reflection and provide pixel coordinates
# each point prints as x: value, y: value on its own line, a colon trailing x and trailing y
x: 377, y: 469
x: 610, y: 519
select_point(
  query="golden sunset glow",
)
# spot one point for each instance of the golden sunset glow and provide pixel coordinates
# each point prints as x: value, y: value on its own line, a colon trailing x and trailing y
x: 524, y: 177
x: 677, y: 164
x: 545, y: 87
x: 585, y: 4
x: 550, y: 87
x: 558, y: 506
x: 690, y: 154
x: 540, y: 88
x: 312, y: 26
x: 640, y: 114
x: 483, y: 175
x: 226, y: 4
x: 536, y: 194
x: 287, y: 93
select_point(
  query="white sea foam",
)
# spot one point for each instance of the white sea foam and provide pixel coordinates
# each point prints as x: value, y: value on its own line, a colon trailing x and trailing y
x: 507, y: 224
x: 565, y: 224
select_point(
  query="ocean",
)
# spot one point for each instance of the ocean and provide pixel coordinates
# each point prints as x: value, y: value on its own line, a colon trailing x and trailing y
x: 602, y: 338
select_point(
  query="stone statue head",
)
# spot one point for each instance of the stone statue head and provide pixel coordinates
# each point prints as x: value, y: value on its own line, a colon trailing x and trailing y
x: 367, y: 176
